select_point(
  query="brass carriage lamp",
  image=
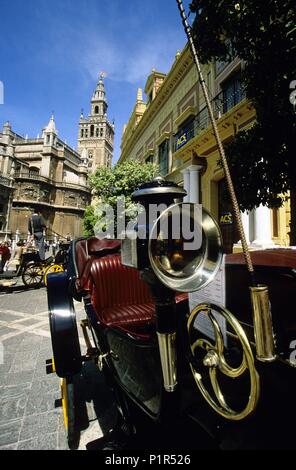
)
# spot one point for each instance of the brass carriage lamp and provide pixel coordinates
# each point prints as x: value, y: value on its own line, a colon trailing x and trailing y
x: 158, y: 248
x: 155, y: 196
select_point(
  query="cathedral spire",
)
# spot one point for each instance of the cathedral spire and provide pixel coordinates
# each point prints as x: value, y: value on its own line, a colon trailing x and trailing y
x: 99, y: 101
x: 96, y: 133
x: 51, y: 127
x: 50, y: 132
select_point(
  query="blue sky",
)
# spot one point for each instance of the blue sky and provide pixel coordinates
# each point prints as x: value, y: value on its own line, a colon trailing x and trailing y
x: 51, y: 53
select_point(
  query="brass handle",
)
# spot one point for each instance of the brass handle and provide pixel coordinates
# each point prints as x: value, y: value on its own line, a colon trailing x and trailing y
x: 215, y: 361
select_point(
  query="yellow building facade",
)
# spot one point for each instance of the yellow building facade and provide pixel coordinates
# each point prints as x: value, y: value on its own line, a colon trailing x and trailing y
x: 172, y: 128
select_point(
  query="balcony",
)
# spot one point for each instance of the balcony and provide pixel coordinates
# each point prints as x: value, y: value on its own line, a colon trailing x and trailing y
x: 6, y: 181
x: 31, y: 176
x: 61, y: 184
x: 222, y: 103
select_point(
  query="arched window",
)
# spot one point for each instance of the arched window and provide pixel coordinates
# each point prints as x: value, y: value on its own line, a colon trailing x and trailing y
x: 82, y: 133
x: 96, y: 109
x: 33, y: 172
x: 92, y: 130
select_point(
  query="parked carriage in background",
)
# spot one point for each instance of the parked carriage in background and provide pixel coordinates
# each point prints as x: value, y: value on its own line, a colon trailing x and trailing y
x: 33, y: 270
x: 234, y: 380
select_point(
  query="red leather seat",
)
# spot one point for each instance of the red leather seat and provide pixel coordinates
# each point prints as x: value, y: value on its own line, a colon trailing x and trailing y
x: 120, y: 298
x: 85, y: 251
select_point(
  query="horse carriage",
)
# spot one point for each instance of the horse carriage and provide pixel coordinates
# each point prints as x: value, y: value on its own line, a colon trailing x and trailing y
x: 32, y: 269
x: 222, y: 370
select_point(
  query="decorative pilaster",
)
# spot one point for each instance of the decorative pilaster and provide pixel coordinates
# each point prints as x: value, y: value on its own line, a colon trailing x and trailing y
x: 194, y: 183
x: 262, y: 227
x: 246, y: 225
x: 186, y: 175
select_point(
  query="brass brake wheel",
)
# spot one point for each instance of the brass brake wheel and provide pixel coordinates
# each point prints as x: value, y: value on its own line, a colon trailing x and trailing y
x: 214, y: 360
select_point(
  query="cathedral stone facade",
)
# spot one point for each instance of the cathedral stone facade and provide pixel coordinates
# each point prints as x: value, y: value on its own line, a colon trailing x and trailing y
x: 44, y: 173
x: 48, y: 174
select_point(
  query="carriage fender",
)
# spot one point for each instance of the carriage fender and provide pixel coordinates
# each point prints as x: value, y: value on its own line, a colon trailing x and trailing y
x: 63, y: 326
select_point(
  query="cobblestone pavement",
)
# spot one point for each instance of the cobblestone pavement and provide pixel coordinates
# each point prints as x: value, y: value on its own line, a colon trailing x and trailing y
x: 30, y: 417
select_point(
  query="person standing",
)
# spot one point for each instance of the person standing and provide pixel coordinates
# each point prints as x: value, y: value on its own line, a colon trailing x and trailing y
x: 4, y: 255
x: 37, y: 228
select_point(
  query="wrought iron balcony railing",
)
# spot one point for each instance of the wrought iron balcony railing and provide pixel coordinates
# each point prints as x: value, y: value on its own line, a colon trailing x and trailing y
x: 222, y: 103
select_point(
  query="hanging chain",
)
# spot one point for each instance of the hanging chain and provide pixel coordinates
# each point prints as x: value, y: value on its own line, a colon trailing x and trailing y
x: 219, y: 144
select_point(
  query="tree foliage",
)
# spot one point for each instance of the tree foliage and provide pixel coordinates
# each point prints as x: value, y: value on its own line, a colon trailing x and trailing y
x: 108, y: 184
x: 262, y: 34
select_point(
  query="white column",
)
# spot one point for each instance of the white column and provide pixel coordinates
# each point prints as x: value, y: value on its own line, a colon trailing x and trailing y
x: 186, y: 175
x: 194, y: 183
x: 262, y: 227
x: 246, y: 225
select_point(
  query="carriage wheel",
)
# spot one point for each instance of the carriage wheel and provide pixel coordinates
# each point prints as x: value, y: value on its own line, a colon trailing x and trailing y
x: 68, y: 405
x: 33, y: 275
x: 54, y: 268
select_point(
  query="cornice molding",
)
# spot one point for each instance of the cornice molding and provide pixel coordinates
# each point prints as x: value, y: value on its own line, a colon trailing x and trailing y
x: 179, y: 69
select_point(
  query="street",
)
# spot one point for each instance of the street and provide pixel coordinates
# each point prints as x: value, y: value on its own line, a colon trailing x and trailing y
x: 30, y: 413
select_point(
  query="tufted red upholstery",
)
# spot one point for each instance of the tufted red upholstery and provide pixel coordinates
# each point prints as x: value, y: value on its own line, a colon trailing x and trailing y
x: 120, y: 298
x: 85, y: 251
x: 118, y: 294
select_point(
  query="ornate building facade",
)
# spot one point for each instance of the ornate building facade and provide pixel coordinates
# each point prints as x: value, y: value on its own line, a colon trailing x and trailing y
x: 96, y: 133
x: 44, y: 173
x: 48, y: 174
x: 172, y: 128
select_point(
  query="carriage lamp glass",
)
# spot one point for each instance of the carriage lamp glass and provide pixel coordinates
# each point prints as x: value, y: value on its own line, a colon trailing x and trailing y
x: 186, y: 264
x: 154, y: 197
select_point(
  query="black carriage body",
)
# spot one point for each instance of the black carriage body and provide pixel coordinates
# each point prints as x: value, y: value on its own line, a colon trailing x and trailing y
x: 132, y: 361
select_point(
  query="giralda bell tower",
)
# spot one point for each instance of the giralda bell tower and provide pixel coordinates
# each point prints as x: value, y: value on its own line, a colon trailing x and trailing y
x: 96, y: 133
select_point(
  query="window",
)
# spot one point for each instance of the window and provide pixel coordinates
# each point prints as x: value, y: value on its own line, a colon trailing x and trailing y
x: 275, y: 222
x: 163, y: 157
x: 82, y: 133
x: 97, y: 132
x: 92, y: 130
x: 33, y: 172
x: 149, y: 159
x: 185, y: 133
x: 233, y: 92
x: 209, y: 80
x: 101, y: 132
x: 96, y: 109
x: 86, y: 133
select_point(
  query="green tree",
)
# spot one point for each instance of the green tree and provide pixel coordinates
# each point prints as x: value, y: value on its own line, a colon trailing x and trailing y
x: 262, y: 34
x: 89, y: 221
x: 108, y: 184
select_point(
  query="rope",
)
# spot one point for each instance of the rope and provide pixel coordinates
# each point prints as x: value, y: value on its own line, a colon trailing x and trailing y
x: 229, y: 182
